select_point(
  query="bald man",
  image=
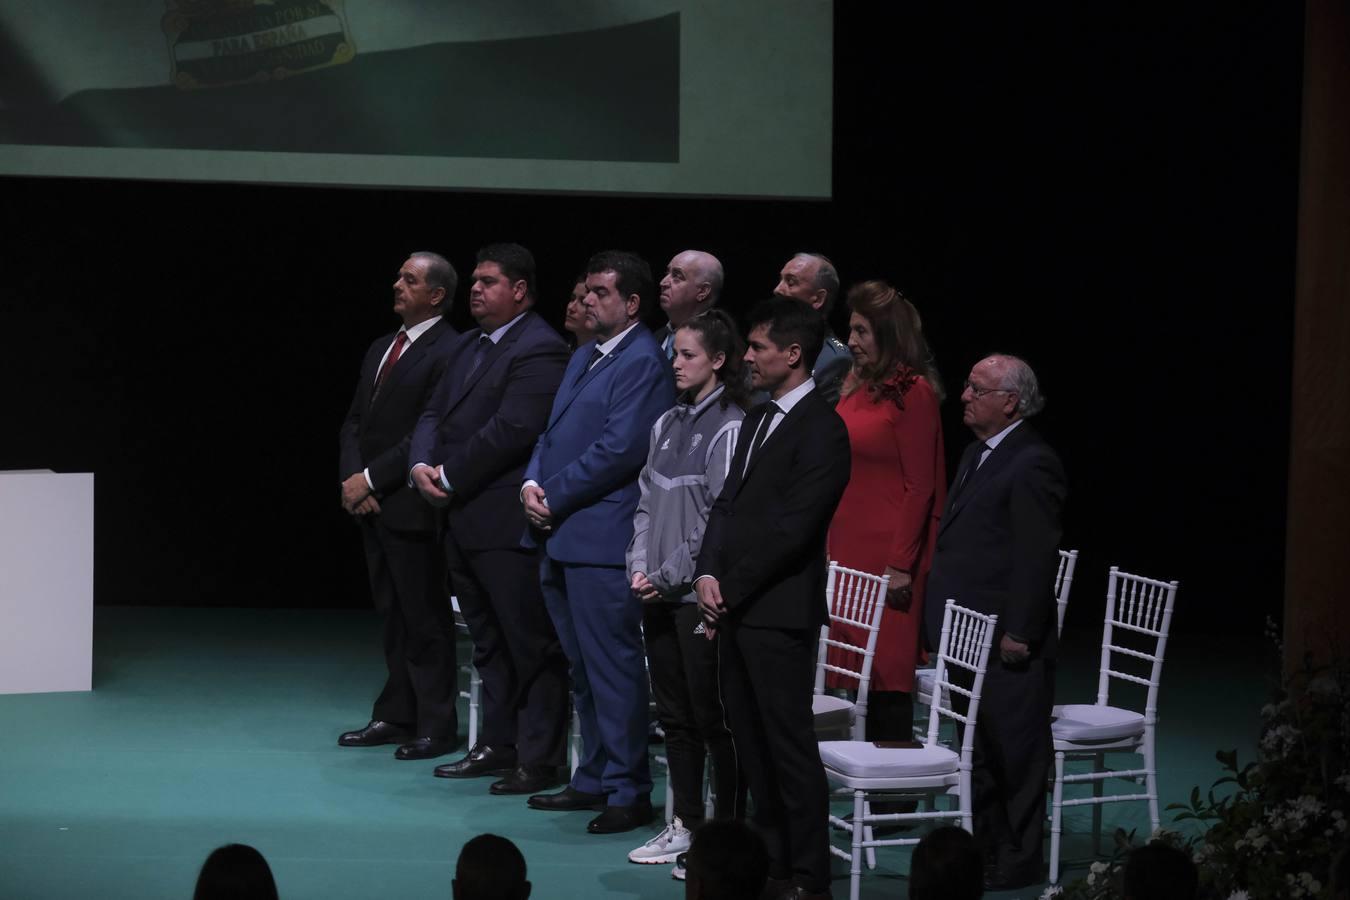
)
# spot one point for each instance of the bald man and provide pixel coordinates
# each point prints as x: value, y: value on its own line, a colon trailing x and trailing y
x: 813, y: 279
x: 997, y: 550
x: 692, y: 284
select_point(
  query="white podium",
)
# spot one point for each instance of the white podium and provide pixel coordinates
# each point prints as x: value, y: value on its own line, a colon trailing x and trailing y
x: 46, y: 582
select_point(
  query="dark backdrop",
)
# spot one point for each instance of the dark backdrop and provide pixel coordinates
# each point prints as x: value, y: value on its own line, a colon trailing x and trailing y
x: 1110, y: 194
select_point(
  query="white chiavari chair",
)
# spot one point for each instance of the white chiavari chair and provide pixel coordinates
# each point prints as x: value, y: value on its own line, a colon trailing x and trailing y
x: 1134, y: 635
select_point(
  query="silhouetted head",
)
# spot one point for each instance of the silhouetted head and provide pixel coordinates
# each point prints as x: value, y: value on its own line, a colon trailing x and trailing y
x: 235, y: 872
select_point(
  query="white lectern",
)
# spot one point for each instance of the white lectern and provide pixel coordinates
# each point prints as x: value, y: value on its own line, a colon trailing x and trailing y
x: 46, y: 582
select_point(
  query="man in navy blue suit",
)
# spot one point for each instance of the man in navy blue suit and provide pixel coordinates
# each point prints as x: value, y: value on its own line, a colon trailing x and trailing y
x: 468, y: 456
x: 579, y: 496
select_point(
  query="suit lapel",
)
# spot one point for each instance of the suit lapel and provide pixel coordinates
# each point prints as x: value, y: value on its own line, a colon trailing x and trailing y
x: 579, y: 382
x: 775, y: 441
x: 997, y: 460
x: 407, y: 361
x: 464, y: 383
x: 735, y: 478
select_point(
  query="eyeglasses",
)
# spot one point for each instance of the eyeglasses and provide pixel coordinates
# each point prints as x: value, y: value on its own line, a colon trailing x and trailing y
x: 979, y: 392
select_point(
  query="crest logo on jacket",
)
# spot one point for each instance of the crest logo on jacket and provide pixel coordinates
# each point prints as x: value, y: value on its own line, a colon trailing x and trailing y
x: 693, y: 445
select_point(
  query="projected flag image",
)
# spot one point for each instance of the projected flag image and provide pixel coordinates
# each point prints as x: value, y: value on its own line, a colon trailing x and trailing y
x: 233, y: 43
x: 301, y: 76
x: 692, y: 97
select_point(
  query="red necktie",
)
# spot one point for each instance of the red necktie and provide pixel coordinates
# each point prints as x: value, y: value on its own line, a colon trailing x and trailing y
x: 399, y: 342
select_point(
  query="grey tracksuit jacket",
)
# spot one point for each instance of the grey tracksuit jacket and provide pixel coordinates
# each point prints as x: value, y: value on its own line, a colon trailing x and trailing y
x: 687, y: 463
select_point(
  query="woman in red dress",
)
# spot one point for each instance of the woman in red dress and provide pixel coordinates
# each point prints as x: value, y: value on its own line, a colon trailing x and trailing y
x: 887, y: 520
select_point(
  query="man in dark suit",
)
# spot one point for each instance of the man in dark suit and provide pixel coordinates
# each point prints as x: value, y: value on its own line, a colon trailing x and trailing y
x: 468, y: 455
x: 579, y: 496
x: 407, y: 572
x: 997, y: 553
x: 813, y: 279
x: 761, y: 588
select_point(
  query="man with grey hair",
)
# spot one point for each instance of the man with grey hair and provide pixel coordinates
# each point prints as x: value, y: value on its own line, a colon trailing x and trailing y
x: 692, y: 284
x: 416, y: 708
x: 813, y: 279
x: 997, y: 551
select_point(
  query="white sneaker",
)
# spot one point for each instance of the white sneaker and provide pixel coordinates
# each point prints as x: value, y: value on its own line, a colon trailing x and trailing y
x: 678, y: 871
x: 670, y: 843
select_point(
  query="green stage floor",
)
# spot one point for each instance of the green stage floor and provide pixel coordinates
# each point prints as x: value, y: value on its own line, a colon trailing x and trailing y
x: 210, y: 726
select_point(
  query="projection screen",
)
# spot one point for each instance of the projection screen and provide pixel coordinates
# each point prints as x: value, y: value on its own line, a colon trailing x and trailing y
x: 702, y: 97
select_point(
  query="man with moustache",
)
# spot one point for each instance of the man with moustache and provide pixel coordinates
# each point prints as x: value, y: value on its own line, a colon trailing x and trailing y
x: 469, y: 452
x: 692, y: 284
x: 813, y: 279
x: 416, y: 708
x: 761, y: 588
x: 997, y: 553
x: 579, y: 496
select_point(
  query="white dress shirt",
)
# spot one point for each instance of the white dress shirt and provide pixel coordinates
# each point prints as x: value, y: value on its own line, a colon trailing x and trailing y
x: 772, y: 421
x: 994, y: 441
x: 608, y: 346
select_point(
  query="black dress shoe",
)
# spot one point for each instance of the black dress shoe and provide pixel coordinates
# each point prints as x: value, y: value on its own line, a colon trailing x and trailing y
x: 569, y: 798
x: 526, y: 780
x: 425, y: 748
x: 775, y: 888
x: 481, y: 760
x: 374, y: 734
x: 616, y: 819
x: 797, y: 892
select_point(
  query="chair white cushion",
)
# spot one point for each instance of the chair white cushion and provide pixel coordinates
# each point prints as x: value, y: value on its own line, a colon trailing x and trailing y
x: 863, y: 759
x: 831, y: 713
x: 1089, y: 722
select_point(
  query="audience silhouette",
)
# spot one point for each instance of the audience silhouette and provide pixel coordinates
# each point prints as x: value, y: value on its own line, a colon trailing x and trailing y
x: 235, y: 872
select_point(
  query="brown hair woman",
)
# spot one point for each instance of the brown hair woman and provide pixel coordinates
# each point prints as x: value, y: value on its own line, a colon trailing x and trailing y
x: 887, y: 519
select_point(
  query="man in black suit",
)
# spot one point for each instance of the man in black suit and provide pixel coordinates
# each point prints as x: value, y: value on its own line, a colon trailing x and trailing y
x: 761, y: 588
x: 468, y: 455
x: 407, y: 572
x: 997, y: 553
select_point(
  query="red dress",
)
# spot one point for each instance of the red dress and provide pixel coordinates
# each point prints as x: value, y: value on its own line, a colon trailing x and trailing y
x: 889, y: 513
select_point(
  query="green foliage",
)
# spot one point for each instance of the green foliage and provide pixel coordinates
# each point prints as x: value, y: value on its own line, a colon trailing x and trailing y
x: 1266, y: 829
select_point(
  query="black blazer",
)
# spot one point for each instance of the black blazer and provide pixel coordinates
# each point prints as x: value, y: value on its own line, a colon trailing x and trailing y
x: 765, y: 541
x: 482, y: 427
x: 998, y: 541
x: 376, y: 435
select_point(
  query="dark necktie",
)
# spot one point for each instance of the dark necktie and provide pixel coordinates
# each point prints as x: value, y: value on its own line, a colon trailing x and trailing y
x: 596, y: 356
x: 771, y: 409
x: 479, y: 352
x: 400, y: 341
x: 969, y: 471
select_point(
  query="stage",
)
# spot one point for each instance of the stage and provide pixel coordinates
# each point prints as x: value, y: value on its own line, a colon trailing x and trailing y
x: 210, y: 726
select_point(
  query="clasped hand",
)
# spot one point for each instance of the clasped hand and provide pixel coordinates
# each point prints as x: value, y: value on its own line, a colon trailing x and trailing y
x: 1013, y: 651
x: 710, y: 604
x: 643, y: 588
x: 536, y: 507
x: 357, y: 498
x: 899, y: 589
x: 428, y: 483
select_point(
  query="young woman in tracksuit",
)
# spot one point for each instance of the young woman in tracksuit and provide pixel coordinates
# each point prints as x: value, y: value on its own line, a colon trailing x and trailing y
x: 690, y: 456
